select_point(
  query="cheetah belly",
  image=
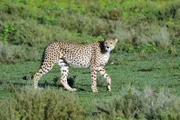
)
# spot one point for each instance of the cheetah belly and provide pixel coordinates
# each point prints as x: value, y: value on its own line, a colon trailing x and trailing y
x: 78, y: 61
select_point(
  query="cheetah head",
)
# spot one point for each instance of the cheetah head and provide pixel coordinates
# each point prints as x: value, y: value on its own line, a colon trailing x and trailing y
x: 109, y: 44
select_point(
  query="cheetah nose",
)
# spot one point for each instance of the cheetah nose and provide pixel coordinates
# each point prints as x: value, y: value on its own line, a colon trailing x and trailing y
x: 107, y: 47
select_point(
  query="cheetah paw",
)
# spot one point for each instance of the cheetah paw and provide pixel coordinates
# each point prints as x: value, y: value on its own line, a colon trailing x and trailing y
x: 73, y: 90
x: 95, y: 91
x: 38, y: 88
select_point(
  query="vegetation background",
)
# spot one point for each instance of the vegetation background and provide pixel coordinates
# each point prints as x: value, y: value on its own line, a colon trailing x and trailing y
x: 147, y: 54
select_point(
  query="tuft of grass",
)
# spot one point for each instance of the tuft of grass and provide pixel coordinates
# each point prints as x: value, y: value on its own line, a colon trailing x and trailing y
x: 134, y: 104
x: 29, y: 104
x: 11, y: 53
x: 17, y: 53
x: 101, y: 82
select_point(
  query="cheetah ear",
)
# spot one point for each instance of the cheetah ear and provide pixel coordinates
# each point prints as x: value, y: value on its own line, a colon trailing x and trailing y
x: 116, y: 40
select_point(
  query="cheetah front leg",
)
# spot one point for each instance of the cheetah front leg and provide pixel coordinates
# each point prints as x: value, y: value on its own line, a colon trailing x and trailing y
x: 94, y: 82
x: 106, y: 76
x: 63, y: 80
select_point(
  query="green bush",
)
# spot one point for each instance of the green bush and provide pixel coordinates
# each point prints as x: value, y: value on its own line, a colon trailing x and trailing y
x: 12, y: 53
x: 137, y: 24
x: 47, y: 104
x: 18, y: 53
x: 147, y: 104
x: 7, y: 32
x: 168, y: 11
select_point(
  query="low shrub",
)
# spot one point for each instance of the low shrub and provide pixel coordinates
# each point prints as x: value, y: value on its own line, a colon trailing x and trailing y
x: 11, y: 53
x: 141, y: 34
x: 168, y: 10
x: 47, y: 104
x: 135, y: 23
x: 147, y: 104
x: 18, y: 53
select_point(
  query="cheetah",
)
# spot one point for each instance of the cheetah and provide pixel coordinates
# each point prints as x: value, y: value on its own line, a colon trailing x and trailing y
x: 94, y: 55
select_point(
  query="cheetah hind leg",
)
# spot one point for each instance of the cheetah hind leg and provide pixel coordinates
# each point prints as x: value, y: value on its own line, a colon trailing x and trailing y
x: 63, y: 79
x: 43, y: 70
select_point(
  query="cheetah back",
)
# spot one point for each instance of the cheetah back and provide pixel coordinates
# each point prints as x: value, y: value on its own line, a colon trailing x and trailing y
x: 73, y: 54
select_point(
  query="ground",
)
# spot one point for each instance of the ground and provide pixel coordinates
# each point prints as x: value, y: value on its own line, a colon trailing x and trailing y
x: 155, y: 70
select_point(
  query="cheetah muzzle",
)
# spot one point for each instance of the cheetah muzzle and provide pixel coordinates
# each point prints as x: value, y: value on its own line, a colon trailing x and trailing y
x: 94, y: 55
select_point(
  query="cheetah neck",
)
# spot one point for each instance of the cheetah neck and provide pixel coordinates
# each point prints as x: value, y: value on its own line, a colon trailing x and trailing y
x: 102, y: 47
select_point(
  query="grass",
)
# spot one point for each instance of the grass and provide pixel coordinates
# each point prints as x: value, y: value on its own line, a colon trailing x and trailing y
x: 134, y: 104
x: 157, y: 71
x: 147, y: 53
x: 27, y: 103
x: 32, y: 25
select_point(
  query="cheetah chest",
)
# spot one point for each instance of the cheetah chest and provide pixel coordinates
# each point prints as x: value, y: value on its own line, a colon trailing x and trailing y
x: 104, y: 59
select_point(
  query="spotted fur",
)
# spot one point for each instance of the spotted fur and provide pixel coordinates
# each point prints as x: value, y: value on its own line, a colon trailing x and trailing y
x: 94, y: 55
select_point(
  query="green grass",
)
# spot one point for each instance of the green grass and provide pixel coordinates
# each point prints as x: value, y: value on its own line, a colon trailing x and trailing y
x: 29, y: 104
x: 147, y: 53
x: 157, y: 71
x: 140, y: 25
